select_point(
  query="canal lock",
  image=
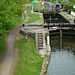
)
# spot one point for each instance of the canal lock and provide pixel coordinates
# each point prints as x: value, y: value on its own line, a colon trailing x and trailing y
x: 62, y: 43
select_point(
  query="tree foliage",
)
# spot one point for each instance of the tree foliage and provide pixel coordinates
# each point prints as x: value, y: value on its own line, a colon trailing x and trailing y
x: 9, y: 11
x: 62, y: 1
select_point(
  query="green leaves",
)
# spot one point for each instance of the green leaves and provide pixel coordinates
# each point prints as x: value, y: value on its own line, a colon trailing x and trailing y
x: 8, y: 11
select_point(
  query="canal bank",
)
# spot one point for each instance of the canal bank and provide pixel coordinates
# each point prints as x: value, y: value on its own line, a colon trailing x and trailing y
x: 42, y: 45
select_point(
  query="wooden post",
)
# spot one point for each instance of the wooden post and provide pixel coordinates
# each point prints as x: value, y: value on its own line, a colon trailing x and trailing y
x: 32, y: 8
x: 61, y: 38
x: 48, y: 23
x: 36, y: 41
x: 44, y: 43
x: 48, y: 43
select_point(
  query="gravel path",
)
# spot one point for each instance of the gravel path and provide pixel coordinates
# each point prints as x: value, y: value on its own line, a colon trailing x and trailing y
x: 5, y: 66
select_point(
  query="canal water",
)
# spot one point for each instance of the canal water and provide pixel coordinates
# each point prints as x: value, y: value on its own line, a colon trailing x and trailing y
x: 62, y: 60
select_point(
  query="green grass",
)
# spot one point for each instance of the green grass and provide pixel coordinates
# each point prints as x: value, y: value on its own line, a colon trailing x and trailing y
x: 32, y: 17
x: 29, y: 62
x: 2, y: 46
x: 20, y: 19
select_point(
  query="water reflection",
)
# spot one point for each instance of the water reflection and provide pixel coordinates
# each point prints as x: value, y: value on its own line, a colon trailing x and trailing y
x: 62, y: 62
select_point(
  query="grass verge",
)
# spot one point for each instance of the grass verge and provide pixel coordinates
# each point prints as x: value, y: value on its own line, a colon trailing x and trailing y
x: 33, y: 17
x: 2, y: 46
x: 29, y: 62
x: 21, y: 18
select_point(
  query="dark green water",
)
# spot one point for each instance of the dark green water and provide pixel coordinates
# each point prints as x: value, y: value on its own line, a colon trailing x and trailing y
x: 62, y: 62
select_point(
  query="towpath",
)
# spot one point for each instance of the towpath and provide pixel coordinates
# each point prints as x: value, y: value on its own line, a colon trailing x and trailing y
x: 68, y: 16
x: 5, y: 65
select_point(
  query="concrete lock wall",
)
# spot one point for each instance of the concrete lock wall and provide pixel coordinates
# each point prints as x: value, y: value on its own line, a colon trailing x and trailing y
x: 30, y: 35
x: 72, y: 13
x: 46, y: 34
x: 35, y: 37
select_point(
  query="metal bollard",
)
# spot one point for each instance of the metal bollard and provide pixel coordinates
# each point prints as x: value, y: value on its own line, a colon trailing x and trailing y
x: 74, y: 20
x: 26, y: 37
x: 23, y: 25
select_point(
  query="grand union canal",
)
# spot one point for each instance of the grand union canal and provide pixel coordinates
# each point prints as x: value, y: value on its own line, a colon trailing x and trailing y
x: 62, y: 60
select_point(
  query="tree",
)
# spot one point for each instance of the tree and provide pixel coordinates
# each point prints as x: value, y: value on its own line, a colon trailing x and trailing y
x: 9, y: 10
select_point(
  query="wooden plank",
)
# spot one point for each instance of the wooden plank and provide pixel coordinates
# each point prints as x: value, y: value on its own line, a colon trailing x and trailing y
x: 51, y: 24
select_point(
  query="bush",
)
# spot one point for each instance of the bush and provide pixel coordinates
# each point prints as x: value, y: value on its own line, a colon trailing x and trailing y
x: 2, y: 46
x: 69, y: 11
x: 72, y: 10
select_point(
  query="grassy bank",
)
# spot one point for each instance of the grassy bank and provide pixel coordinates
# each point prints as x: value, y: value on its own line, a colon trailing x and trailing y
x: 2, y: 46
x: 32, y: 17
x: 29, y: 62
x: 20, y: 18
